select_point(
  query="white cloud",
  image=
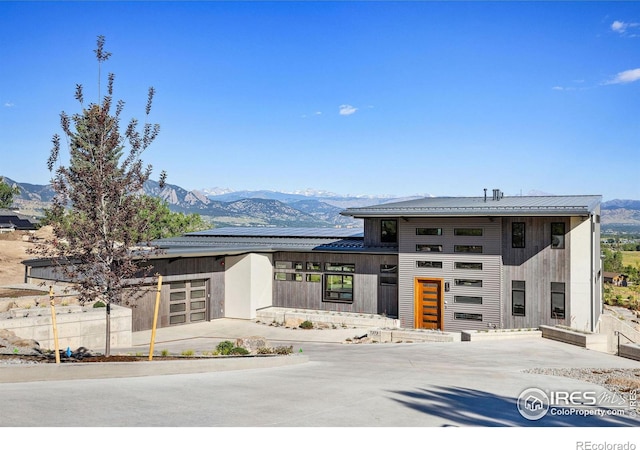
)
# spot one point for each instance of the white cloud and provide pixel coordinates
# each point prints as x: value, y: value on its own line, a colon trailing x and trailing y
x: 623, y: 27
x: 628, y: 76
x: 347, y: 110
x: 619, y: 27
x: 9, y: 104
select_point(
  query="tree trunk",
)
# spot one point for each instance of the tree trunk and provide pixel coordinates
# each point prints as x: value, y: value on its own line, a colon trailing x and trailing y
x: 107, y: 347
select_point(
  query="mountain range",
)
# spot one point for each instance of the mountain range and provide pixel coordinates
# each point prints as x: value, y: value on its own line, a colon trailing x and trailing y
x: 225, y: 207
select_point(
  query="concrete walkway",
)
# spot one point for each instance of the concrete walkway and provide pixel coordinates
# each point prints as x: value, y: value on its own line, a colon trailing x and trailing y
x: 341, y: 384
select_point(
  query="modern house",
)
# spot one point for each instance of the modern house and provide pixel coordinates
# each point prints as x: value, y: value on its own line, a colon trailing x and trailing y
x: 11, y: 220
x: 438, y: 263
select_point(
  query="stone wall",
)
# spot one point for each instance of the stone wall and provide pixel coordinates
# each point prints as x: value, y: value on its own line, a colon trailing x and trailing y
x: 77, y: 326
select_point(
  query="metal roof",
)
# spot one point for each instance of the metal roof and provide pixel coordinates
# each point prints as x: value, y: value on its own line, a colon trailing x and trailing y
x: 281, y: 232
x: 194, y: 244
x: 573, y: 205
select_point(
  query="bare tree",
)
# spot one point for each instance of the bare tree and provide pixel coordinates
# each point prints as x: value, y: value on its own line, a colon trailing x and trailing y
x: 96, y: 225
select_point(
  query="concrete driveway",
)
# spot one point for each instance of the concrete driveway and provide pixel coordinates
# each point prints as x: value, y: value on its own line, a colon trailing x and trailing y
x: 342, y: 385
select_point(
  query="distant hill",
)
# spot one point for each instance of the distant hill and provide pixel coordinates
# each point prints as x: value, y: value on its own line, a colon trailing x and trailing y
x: 246, y: 208
x: 621, y: 216
x: 224, y: 207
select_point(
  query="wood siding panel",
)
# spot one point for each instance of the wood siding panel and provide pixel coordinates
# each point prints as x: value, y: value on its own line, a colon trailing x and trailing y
x: 368, y: 296
x: 538, y: 265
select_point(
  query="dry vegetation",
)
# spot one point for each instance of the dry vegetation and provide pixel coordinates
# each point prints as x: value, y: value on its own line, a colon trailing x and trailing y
x: 13, y: 250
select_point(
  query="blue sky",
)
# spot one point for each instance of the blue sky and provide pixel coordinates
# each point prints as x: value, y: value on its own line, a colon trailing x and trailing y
x: 403, y: 98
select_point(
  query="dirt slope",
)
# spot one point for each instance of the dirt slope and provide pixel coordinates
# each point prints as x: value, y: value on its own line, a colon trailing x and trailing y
x: 13, y: 250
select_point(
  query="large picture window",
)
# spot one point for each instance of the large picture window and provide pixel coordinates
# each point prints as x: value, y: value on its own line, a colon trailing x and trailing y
x: 389, y: 231
x: 338, y: 288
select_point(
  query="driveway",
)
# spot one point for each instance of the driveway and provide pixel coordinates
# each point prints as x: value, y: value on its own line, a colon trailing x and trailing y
x: 342, y: 385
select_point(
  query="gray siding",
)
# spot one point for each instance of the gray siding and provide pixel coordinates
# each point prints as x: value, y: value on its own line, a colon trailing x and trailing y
x: 538, y: 265
x: 210, y: 269
x: 373, y: 233
x: 490, y: 274
x: 369, y: 296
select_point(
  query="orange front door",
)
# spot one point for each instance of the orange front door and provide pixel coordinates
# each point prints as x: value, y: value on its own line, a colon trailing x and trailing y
x: 429, y: 302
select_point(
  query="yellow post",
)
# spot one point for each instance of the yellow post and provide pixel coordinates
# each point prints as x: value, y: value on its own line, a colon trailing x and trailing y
x: 55, y: 326
x: 155, y: 318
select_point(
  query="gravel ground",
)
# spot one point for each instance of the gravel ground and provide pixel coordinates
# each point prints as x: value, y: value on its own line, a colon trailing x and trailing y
x: 625, y: 382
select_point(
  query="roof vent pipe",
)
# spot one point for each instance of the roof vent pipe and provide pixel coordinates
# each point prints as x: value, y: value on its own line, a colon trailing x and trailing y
x: 497, y: 195
x: 485, y: 195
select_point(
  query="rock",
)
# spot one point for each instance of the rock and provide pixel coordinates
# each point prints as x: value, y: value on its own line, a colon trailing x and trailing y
x: 253, y: 343
x: 10, y: 344
x: 292, y: 322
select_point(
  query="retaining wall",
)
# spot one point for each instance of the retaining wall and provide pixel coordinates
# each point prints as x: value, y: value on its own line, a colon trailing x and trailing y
x: 77, y: 326
x: 591, y: 341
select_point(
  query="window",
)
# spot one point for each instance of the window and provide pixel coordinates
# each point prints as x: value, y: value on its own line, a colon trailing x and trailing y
x: 517, y: 298
x: 283, y: 265
x: 467, y: 300
x: 388, y: 281
x: 428, y: 248
x: 177, y: 296
x: 517, y: 235
x: 315, y: 266
x: 467, y: 316
x: 429, y: 231
x: 389, y: 231
x: 557, y: 301
x: 330, y: 267
x: 467, y: 231
x: 557, y: 235
x: 429, y: 264
x: 314, y: 277
x: 283, y: 276
x: 468, y: 265
x: 388, y: 268
x: 298, y: 266
x: 467, y: 248
x: 338, y: 288
x: 469, y: 283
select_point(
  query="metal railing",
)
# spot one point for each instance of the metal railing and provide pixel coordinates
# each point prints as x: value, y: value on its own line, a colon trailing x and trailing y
x: 618, y: 334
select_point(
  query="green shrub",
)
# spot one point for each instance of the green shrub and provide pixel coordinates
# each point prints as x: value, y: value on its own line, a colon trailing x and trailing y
x: 239, y: 351
x: 99, y: 304
x: 164, y: 352
x: 187, y: 353
x: 224, y: 348
x: 306, y: 325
